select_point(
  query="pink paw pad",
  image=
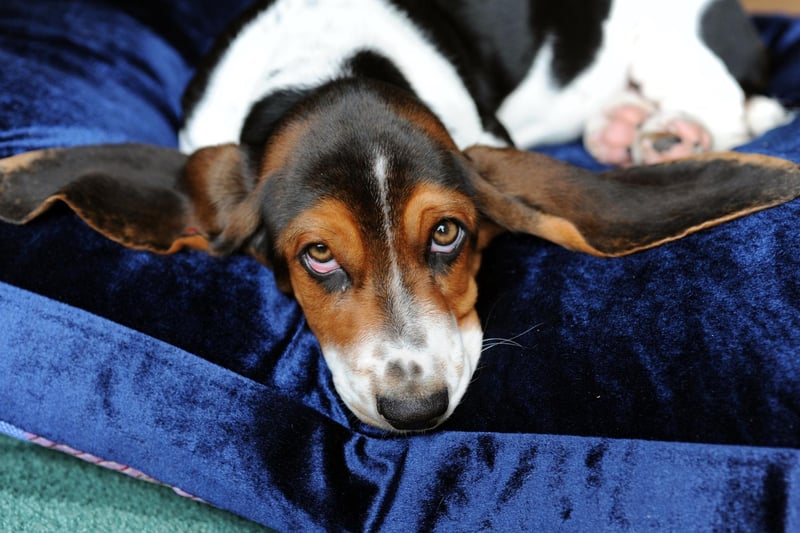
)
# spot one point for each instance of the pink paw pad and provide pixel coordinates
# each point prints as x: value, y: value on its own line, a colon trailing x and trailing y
x: 675, y: 138
x: 611, y: 139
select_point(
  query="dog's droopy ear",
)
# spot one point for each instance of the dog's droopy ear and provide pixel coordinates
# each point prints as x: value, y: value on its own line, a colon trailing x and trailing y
x: 142, y: 196
x: 626, y: 210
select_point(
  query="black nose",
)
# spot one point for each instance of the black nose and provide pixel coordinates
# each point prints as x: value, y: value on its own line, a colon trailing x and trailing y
x: 414, y: 413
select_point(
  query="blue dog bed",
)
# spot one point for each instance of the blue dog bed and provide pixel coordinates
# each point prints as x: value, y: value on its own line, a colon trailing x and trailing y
x: 659, y: 391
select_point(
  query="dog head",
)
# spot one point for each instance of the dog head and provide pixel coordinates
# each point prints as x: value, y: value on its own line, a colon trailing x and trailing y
x: 372, y: 218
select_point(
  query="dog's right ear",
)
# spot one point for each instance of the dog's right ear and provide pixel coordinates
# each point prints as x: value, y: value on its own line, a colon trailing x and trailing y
x: 142, y: 196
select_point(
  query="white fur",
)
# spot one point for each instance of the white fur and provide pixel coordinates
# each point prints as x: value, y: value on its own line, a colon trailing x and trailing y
x: 686, y: 76
x: 539, y: 111
x: 655, y: 45
x: 448, y: 357
x: 763, y: 114
x: 398, y: 292
x: 300, y: 43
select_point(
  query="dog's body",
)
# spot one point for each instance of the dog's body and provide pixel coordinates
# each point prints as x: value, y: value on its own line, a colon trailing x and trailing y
x: 352, y: 178
x: 521, y: 71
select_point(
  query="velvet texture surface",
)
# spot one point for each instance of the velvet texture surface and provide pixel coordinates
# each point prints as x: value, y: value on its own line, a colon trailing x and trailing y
x: 659, y: 391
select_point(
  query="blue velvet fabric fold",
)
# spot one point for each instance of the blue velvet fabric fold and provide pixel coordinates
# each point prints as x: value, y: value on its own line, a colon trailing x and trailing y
x: 659, y: 391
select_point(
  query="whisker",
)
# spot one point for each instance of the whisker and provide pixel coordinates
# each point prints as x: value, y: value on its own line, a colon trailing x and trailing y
x: 533, y: 327
x: 493, y: 342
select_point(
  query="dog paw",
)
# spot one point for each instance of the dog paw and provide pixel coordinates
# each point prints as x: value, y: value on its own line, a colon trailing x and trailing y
x: 635, y: 132
x: 668, y: 137
x: 611, y: 136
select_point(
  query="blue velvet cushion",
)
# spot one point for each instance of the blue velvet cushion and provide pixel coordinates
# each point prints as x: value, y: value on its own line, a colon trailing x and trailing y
x: 660, y: 391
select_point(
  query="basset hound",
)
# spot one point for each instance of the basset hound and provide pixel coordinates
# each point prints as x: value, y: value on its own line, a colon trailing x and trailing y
x: 364, y: 150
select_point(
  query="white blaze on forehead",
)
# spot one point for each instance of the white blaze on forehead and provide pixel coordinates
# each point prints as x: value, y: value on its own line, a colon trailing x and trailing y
x: 381, y: 173
x: 402, y: 302
x: 381, y: 168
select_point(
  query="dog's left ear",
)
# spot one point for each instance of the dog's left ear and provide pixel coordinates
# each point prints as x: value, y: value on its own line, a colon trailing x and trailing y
x: 626, y: 210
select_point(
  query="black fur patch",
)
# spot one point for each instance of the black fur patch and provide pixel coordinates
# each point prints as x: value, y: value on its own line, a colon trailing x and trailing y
x: 372, y: 65
x: 728, y: 32
x: 263, y: 118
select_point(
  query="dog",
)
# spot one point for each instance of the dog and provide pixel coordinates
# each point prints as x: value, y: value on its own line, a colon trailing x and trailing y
x: 364, y: 150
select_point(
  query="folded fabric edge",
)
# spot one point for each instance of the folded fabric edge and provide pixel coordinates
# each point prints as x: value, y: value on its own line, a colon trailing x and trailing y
x: 14, y: 432
x: 37, y: 406
x: 248, y: 442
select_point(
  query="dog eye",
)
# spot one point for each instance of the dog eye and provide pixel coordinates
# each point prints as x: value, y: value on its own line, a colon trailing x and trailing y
x: 319, y: 259
x: 446, y: 237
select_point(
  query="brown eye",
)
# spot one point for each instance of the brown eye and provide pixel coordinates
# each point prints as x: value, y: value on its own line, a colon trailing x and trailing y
x: 320, y: 262
x: 319, y: 253
x: 319, y: 259
x: 445, y: 237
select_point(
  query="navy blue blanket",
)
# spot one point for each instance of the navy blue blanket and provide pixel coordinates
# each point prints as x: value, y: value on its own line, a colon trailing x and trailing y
x: 659, y: 391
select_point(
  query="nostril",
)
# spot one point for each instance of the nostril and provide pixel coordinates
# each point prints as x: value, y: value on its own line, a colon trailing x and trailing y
x: 414, y: 413
x: 398, y: 371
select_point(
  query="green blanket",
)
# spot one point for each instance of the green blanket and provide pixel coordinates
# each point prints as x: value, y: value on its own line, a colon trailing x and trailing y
x: 44, y: 490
